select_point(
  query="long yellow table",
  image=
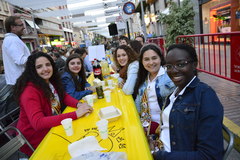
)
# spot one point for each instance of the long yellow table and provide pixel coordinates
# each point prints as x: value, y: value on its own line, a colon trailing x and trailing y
x: 125, y: 134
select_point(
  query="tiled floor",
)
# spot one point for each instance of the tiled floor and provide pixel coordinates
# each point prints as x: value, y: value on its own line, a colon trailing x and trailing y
x: 228, y: 93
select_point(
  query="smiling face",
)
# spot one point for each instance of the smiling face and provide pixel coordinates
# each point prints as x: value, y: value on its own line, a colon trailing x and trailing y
x: 151, y: 62
x: 44, y: 68
x: 122, y: 57
x: 75, y: 65
x: 184, y: 69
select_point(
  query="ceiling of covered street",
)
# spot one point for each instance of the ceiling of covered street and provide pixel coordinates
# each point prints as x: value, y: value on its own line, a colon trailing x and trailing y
x: 95, y: 15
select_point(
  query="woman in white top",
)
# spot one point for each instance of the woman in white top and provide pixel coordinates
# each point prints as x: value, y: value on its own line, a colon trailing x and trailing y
x: 152, y: 87
x: 126, y: 61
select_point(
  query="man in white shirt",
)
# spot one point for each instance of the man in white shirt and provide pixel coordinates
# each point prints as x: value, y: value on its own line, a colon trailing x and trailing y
x: 14, y: 50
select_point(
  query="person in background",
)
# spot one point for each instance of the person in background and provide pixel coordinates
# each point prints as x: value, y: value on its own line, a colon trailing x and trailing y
x: 136, y: 46
x: 84, y: 55
x: 14, y: 50
x: 74, y: 78
x: 152, y: 87
x: 123, y: 40
x: 141, y: 39
x: 63, y: 53
x: 126, y: 61
x: 192, y: 116
x: 40, y: 95
x: 60, y: 63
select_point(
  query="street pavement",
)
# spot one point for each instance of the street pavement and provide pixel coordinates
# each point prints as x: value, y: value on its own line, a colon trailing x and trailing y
x: 229, y: 95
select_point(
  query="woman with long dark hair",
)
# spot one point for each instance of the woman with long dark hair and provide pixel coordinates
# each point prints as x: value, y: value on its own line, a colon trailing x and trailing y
x: 40, y: 95
x: 126, y: 61
x: 74, y: 78
x: 152, y: 87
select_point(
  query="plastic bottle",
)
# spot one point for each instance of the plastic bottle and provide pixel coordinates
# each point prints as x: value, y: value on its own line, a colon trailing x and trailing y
x: 97, y: 70
x: 105, y: 69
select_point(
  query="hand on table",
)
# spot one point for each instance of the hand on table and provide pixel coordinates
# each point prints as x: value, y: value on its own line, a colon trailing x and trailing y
x: 92, y: 88
x: 120, y: 85
x: 82, y: 109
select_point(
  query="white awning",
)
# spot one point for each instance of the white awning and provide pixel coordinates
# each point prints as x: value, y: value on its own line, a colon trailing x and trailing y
x: 37, y: 4
x: 32, y: 24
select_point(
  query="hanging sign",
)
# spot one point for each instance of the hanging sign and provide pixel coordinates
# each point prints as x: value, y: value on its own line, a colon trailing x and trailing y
x: 129, y: 8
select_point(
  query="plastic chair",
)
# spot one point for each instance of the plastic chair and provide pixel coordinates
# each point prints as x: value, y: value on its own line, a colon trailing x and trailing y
x: 14, y: 144
x: 230, y: 142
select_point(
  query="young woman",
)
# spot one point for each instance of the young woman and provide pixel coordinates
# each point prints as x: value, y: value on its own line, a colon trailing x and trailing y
x: 126, y: 61
x: 74, y: 78
x: 152, y: 87
x: 40, y: 95
x: 192, y: 117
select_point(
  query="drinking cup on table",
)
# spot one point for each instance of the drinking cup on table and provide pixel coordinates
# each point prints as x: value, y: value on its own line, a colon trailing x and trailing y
x: 67, y: 125
x: 107, y: 95
x: 102, y: 83
x: 99, y: 91
x: 110, y: 83
x: 103, y: 128
x: 89, y: 99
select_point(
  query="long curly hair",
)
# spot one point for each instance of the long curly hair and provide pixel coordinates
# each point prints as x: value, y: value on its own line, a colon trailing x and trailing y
x: 132, y: 55
x: 142, y: 72
x: 80, y: 86
x: 30, y: 75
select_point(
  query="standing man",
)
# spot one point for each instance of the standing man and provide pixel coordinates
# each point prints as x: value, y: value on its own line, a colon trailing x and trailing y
x: 14, y: 50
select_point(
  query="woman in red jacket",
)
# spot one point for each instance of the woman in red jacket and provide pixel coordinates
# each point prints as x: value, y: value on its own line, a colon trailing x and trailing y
x: 40, y: 95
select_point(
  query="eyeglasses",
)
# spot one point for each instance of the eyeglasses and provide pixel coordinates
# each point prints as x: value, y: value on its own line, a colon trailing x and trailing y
x: 177, y: 66
x: 18, y: 25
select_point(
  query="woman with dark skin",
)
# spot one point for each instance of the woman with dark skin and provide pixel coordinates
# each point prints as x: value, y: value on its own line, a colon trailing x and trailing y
x: 192, y: 116
x: 40, y: 95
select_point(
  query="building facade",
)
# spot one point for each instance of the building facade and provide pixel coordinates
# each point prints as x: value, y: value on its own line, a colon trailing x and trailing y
x: 219, y: 16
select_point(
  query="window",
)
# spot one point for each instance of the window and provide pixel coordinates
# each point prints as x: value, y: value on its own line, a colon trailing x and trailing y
x: 5, y: 6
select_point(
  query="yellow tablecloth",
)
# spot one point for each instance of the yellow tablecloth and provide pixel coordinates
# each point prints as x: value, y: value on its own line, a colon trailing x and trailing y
x: 125, y: 134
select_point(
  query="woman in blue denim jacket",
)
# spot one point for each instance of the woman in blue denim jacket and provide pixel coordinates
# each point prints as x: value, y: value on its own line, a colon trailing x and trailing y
x: 192, y: 117
x: 74, y: 78
x: 152, y: 87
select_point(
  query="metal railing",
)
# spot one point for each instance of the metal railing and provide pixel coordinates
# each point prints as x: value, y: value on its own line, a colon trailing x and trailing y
x: 218, y: 54
x: 160, y: 41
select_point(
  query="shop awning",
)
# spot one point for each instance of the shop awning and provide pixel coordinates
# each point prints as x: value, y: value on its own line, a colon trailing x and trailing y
x: 31, y: 24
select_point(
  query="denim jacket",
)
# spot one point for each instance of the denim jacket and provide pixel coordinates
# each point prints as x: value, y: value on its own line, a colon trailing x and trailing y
x: 163, y: 87
x: 132, y: 72
x: 70, y: 88
x: 195, y: 125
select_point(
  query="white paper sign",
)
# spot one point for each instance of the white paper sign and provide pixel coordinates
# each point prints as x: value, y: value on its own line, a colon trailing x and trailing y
x: 97, y: 52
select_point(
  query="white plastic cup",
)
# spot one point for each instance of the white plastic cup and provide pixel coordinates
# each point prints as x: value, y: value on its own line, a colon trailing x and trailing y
x: 102, y: 83
x: 89, y: 99
x: 107, y: 95
x: 110, y: 83
x: 103, y: 128
x: 67, y: 125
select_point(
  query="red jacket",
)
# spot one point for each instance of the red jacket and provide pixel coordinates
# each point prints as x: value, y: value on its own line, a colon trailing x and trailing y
x: 36, y: 117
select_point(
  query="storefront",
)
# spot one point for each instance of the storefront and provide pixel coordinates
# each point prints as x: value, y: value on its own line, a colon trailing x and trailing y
x: 220, y: 16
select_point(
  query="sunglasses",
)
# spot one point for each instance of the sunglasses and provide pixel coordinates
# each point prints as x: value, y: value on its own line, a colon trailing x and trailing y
x: 18, y: 25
